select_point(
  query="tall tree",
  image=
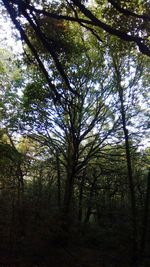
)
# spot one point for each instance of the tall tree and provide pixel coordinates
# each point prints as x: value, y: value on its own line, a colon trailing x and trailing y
x: 77, y: 125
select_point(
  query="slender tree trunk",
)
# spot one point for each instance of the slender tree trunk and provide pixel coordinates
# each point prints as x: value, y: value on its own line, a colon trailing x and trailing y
x: 12, y: 236
x: 80, y: 214
x: 145, y: 218
x: 89, y: 208
x: 58, y: 181
x: 20, y: 200
x: 130, y: 179
x: 20, y: 178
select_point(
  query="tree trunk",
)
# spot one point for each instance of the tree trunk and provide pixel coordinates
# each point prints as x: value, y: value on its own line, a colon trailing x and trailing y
x: 130, y: 179
x: 72, y: 159
x: 68, y: 193
x: 80, y: 214
x: 58, y: 181
x: 145, y: 218
x: 89, y: 208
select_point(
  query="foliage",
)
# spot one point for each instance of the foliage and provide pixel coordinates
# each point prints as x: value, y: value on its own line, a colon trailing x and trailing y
x: 74, y: 116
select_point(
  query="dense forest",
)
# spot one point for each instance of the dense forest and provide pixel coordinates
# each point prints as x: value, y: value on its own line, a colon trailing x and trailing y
x: 74, y: 133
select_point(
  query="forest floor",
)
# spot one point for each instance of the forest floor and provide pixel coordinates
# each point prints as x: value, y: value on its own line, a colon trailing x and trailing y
x: 91, y: 249
x: 66, y: 257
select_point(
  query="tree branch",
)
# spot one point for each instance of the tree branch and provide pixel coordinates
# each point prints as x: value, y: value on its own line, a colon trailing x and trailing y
x: 128, y: 12
x: 122, y: 35
x: 24, y: 37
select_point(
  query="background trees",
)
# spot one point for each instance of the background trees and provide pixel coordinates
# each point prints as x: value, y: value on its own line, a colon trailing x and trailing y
x: 74, y: 114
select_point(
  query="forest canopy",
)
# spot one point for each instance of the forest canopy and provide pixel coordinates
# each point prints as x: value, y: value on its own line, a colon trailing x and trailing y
x: 74, y: 134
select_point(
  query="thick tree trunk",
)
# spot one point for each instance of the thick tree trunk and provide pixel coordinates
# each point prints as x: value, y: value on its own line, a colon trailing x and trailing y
x: 72, y: 160
x: 68, y: 193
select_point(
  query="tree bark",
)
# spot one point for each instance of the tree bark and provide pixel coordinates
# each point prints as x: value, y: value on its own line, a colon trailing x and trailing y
x: 89, y: 208
x: 80, y: 214
x: 145, y: 218
x: 130, y: 179
x: 58, y: 181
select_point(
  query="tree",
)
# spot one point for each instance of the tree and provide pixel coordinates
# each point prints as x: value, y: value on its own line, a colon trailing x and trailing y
x: 114, y: 29
x: 77, y: 125
x: 79, y: 150
x: 126, y: 84
x: 11, y: 81
x: 86, y: 18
